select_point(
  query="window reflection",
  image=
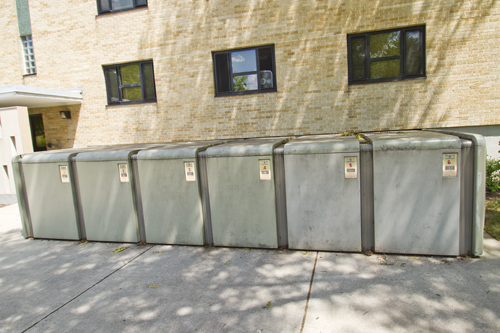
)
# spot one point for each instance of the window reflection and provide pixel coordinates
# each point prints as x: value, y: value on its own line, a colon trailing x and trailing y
x: 384, y: 45
x: 244, y: 61
x: 132, y: 94
x: 122, y: 4
x: 413, y: 52
x: 130, y: 74
x: 245, y: 82
x: 149, y: 82
x: 388, y: 68
x: 358, y: 57
x: 113, y: 85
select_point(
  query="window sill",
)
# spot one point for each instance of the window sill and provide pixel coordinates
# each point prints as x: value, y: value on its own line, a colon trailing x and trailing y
x: 252, y: 92
x: 357, y: 83
x: 33, y: 74
x: 121, y: 11
x: 130, y: 103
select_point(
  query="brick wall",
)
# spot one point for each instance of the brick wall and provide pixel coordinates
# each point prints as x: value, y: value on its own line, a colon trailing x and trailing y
x: 72, y: 43
x: 11, y: 57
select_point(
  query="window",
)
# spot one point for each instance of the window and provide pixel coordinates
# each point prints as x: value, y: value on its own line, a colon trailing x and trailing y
x: 389, y: 55
x: 109, y: 6
x: 28, y: 55
x: 130, y: 83
x: 244, y: 71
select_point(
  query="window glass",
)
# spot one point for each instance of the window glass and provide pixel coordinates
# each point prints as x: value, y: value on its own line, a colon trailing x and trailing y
x: 384, y: 69
x: 385, y: 45
x: 222, y: 72
x: 113, y: 85
x: 122, y: 4
x: 358, y: 57
x: 266, y: 59
x: 413, y: 43
x: 131, y: 94
x: 245, y: 82
x: 130, y: 74
x: 149, y: 82
x: 29, y: 56
x: 244, y: 61
x: 104, y: 4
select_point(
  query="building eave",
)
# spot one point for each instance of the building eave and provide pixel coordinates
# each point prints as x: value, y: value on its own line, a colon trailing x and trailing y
x: 31, y: 97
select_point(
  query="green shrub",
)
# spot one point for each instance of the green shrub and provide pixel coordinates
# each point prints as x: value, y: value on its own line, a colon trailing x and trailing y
x: 493, y: 175
x: 492, y: 220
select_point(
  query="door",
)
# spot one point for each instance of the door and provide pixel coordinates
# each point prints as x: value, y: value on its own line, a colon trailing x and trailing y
x: 37, y: 132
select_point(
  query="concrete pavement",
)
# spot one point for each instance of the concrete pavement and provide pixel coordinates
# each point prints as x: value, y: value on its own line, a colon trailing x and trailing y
x: 61, y: 286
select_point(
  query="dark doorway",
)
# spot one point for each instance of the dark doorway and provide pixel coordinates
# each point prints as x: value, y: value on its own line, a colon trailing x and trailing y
x: 37, y: 132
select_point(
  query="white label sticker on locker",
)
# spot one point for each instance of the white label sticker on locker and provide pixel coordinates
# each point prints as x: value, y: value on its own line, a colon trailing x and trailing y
x: 265, y: 169
x: 189, y: 171
x: 63, y: 170
x: 123, y: 170
x: 351, y: 166
x: 450, y: 163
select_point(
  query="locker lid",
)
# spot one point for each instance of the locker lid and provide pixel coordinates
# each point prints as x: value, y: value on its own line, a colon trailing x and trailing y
x: 56, y: 156
x: 248, y: 147
x: 113, y: 153
x: 177, y: 150
x: 412, y: 140
x: 322, y: 144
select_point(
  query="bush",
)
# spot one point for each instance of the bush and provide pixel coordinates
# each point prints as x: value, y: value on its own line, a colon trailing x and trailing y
x: 493, y: 175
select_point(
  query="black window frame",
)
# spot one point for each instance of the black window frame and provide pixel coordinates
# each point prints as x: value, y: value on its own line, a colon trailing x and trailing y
x: 120, y: 86
x: 230, y: 75
x: 136, y: 4
x: 401, y: 56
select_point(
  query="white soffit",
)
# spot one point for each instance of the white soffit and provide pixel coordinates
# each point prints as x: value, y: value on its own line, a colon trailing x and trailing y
x: 14, y: 95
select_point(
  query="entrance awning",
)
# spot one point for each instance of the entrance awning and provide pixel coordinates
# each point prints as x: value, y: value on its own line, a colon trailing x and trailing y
x: 14, y: 95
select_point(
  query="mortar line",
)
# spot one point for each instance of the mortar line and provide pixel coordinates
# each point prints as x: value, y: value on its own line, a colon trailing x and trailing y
x: 83, y: 292
x: 309, y: 293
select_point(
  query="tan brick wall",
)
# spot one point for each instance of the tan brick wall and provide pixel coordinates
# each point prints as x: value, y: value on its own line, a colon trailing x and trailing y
x: 72, y: 43
x: 11, y: 56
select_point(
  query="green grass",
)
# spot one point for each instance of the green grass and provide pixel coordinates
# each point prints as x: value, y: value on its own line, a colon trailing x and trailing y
x: 492, y: 221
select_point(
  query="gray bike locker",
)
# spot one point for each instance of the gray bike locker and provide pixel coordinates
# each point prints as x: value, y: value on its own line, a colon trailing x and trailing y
x: 171, y: 180
x: 52, y: 194
x: 473, y: 191
x: 416, y: 188
x: 107, y: 192
x: 22, y: 201
x: 244, y: 184
x: 323, y: 193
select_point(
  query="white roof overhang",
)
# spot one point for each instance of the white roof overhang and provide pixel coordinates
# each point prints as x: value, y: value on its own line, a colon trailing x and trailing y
x: 14, y: 95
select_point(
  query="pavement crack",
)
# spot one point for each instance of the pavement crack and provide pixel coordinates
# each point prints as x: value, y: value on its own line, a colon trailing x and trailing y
x: 309, y: 293
x: 83, y: 292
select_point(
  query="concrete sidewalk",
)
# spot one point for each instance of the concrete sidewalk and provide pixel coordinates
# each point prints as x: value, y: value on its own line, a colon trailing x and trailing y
x: 60, y: 286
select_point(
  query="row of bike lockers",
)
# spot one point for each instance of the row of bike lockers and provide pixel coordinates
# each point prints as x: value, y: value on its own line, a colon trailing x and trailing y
x: 413, y: 192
